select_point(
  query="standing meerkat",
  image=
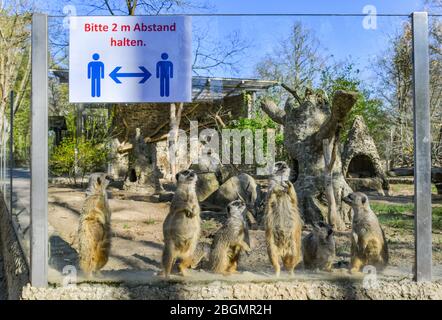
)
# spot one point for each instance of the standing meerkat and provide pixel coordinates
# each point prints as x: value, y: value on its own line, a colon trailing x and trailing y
x: 368, y: 243
x: 318, y: 247
x: 283, y: 224
x: 230, y: 240
x: 94, y: 230
x: 182, y: 226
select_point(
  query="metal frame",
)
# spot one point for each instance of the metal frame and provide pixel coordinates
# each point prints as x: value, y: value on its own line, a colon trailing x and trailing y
x: 11, y: 153
x: 39, y: 152
x: 422, y: 148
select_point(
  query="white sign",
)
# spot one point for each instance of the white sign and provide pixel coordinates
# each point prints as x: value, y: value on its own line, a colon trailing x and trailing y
x: 130, y: 59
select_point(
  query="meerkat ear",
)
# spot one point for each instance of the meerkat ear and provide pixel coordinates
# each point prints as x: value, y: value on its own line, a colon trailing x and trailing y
x: 330, y: 231
x: 99, y: 180
x: 364, y: 199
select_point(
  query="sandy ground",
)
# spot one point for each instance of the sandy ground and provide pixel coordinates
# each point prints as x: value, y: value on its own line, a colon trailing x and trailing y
x: 137, y: 242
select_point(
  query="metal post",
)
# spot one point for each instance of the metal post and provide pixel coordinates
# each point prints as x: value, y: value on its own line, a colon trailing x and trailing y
x: 39, y: 152
x: 422, y: 148
x: 79, y: 121
x: 78, y: 134
x: 11, y: 149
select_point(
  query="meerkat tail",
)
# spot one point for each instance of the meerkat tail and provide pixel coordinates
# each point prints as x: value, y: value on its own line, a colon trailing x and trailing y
x: 92, y: 253
x: 218, y: 259
x: 372, y: 250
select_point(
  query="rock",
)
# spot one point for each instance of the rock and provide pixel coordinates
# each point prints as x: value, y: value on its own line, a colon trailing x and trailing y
x: 141, y: 174
x: 209, y: 181
x: 243, y: 185
x: 360, y: 160
x: 366, y: 184
x: 206, y: 185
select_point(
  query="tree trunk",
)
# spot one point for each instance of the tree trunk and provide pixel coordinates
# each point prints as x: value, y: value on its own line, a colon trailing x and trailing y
x: 306, y: 125
x: 333, y: 218
x: 175, y: 120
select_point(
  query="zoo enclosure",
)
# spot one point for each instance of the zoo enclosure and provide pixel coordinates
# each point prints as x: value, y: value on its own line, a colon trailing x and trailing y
x: 39, y: 148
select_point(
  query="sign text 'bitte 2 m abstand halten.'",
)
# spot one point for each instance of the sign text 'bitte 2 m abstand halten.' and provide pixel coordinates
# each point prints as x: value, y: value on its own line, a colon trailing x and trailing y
x: 130, y: 59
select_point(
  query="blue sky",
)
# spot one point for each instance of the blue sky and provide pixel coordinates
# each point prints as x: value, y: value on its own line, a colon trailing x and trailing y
x: 343, y: 37
x: 316, y: 6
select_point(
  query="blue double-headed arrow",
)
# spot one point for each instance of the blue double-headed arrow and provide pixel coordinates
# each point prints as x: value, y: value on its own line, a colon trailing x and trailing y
x: 145, y: 74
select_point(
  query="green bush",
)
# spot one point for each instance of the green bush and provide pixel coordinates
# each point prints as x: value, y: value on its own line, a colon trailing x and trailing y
x: 90, y: 158
x: 261, y: 121
x: 90, y: 153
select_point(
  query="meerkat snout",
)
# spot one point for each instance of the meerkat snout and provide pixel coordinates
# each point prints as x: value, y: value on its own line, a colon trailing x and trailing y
x: 98, y: 182
x: 281, y: 168
x: 186, y: 176
x: 356, y: 199
x: 324, y: 230
x: 235, y: 207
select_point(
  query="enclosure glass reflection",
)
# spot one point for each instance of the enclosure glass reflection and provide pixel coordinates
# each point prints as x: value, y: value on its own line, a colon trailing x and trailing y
x: 245, y: 68
x: 15, y: 129
x: 435, y: 34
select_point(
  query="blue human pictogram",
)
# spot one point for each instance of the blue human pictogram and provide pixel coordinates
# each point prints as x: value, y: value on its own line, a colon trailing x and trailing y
x: 95, y: 72
x: 164, y: 73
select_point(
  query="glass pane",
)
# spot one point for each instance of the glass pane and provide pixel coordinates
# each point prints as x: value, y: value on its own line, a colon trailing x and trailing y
x: 436, y: 134
x: 240, y: 64
x: 16, y: 134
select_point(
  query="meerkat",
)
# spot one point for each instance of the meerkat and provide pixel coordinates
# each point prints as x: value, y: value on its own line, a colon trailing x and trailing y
x: 230, y: 240
x: 368, y: 242
x: 283, y: 224
x: 182, y: 226
x: 201, y: 254
x: 240, y: 187
x: 318, y: 247
x: 94, y: 231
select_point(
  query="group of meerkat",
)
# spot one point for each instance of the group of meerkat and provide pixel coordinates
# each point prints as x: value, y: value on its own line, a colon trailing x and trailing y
x: 181, y: 231
x: 282, y: 222
x: 283, y: 231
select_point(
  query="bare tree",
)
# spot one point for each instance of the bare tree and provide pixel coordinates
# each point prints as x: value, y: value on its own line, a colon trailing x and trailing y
x: 334, y: 219
x: 395, y: 71
x: 434, y: 4
x: 296, y: 61
x: 212, y: 55
x: 307, y: 123
x: 175, y: 120
x: 15, y: 58
x: 147, y: 7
